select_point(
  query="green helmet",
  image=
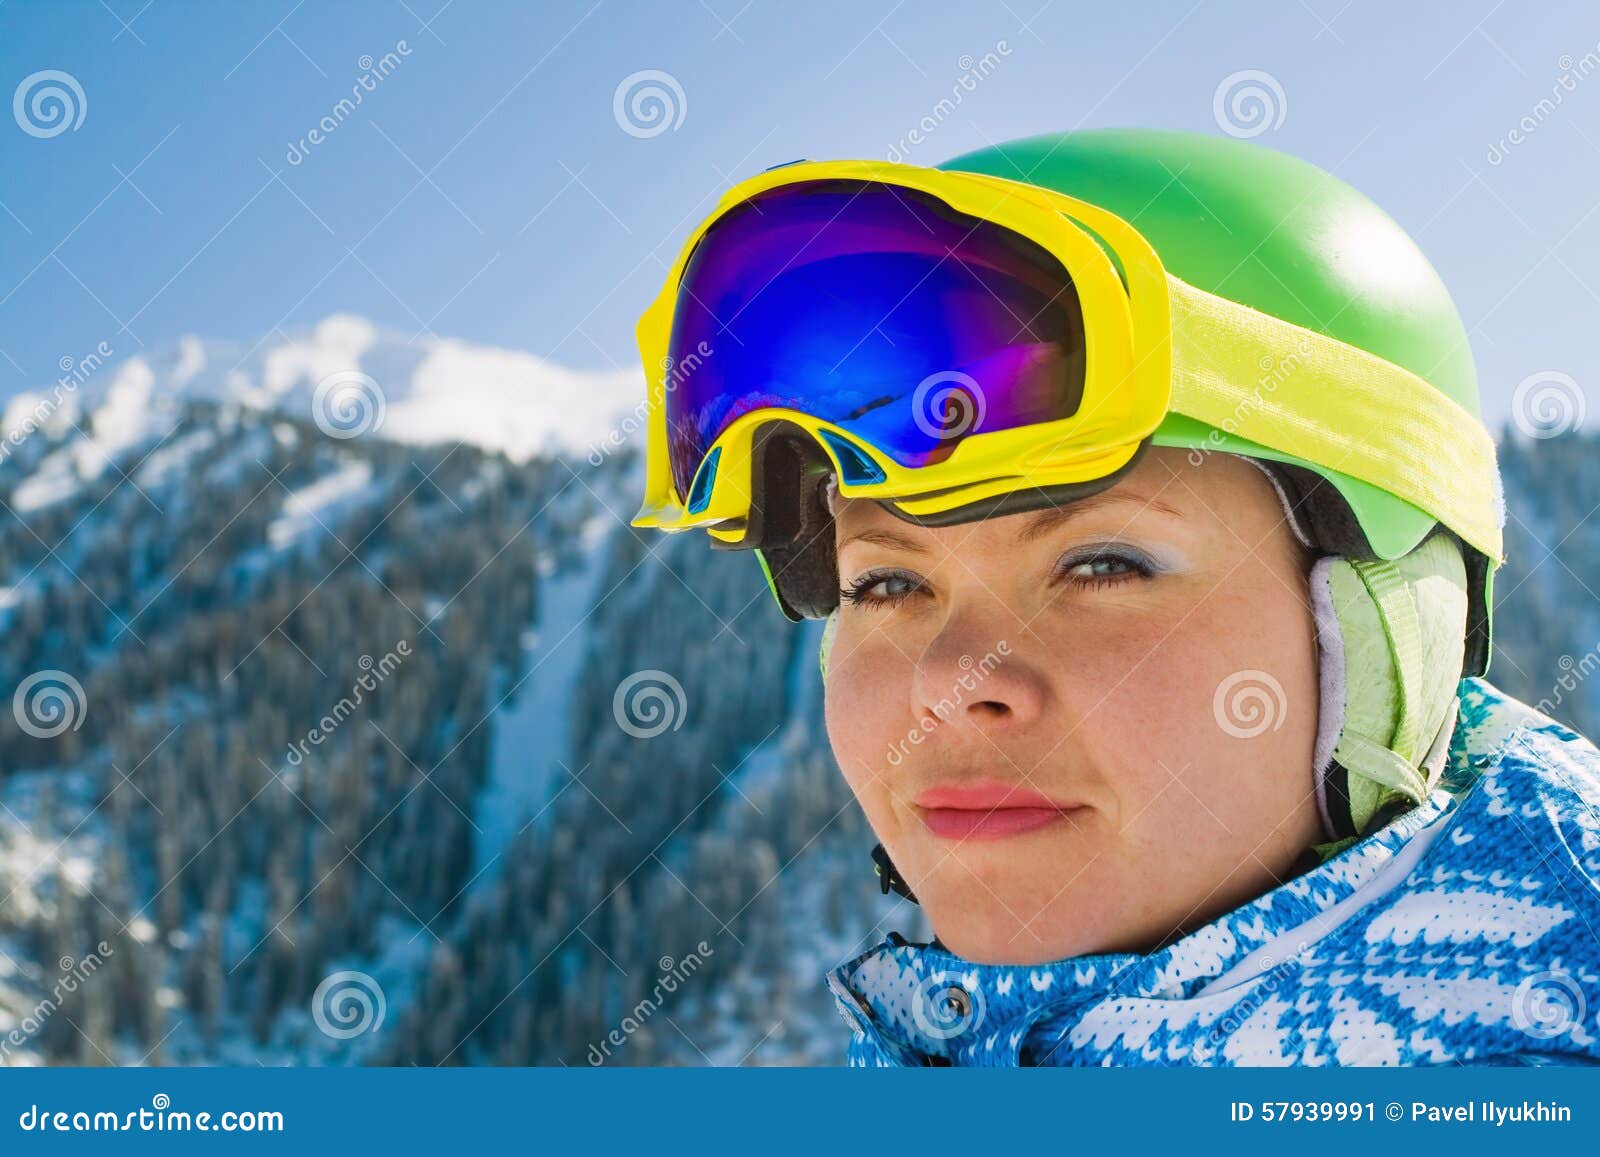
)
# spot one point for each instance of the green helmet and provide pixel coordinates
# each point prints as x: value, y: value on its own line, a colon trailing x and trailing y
x: 1281, y: 236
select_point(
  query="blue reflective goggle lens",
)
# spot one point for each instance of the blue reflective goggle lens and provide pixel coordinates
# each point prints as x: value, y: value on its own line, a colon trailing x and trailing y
x: 874, y: 307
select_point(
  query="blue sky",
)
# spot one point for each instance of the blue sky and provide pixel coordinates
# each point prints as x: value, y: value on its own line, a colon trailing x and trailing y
x: 485, y: 189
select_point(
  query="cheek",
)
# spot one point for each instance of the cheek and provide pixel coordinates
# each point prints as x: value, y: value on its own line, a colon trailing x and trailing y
x: 865, y: 699
x: 1219, y: 691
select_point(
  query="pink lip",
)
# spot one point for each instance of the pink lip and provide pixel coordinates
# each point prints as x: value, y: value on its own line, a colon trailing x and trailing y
x: 986, y: 811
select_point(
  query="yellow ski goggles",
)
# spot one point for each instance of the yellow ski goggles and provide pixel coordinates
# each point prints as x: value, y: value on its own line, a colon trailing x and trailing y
x: 947, y: 338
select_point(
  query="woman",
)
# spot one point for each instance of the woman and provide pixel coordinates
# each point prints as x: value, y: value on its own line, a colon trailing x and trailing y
x: 1140, y: 479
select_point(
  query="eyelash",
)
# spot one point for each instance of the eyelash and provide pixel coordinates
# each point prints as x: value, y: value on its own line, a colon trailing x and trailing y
x: 855, y: 593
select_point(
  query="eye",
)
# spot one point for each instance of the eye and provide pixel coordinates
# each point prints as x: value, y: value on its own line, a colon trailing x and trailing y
x: 880, y: 588
x: 1103, y: 566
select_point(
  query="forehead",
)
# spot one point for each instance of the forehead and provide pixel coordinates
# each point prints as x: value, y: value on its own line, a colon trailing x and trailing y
x: 1154, y: 478
x: 1165, y: 482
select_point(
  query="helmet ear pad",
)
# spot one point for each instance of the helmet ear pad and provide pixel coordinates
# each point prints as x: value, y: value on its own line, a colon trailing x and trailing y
x: 830, y: 628
x: 1322, y: 519
x: 1382, y: 738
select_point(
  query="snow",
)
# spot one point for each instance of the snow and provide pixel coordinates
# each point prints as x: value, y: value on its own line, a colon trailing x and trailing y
x: 54, y: 481
x: 135, y: 409
x: 164, y: 463
x: 52, y: 413
x: 534, y: 730
x: 509, y: 401
x: 129, y: 416
x: 336, y: 344
x: 16, y: 594
x: 314, y: 506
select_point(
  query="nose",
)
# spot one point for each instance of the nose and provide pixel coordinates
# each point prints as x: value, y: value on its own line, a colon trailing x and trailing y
x: 970, y: 676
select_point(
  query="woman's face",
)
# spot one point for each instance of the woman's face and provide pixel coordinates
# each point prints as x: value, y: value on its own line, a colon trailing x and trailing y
x: 1087, y: 729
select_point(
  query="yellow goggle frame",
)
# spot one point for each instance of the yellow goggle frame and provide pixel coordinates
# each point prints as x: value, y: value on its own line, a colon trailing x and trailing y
x: 1155, y: 345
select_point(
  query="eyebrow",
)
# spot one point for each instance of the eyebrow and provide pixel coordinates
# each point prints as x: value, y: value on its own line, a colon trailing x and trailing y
x: 1041, y: 524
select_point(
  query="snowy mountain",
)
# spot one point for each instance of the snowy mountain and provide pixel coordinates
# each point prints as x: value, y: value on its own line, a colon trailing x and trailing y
x: 314, y: 754
x: 347, y: 376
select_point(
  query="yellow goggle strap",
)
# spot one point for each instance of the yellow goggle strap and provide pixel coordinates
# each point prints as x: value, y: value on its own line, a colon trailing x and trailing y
x: 1329, y: 403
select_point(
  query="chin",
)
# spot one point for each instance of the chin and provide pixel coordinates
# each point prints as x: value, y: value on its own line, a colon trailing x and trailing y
x: 1009, y: 925
x: 983, y: 944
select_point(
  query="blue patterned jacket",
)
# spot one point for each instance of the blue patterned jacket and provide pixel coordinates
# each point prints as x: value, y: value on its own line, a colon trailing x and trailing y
x: 1467, y: 931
